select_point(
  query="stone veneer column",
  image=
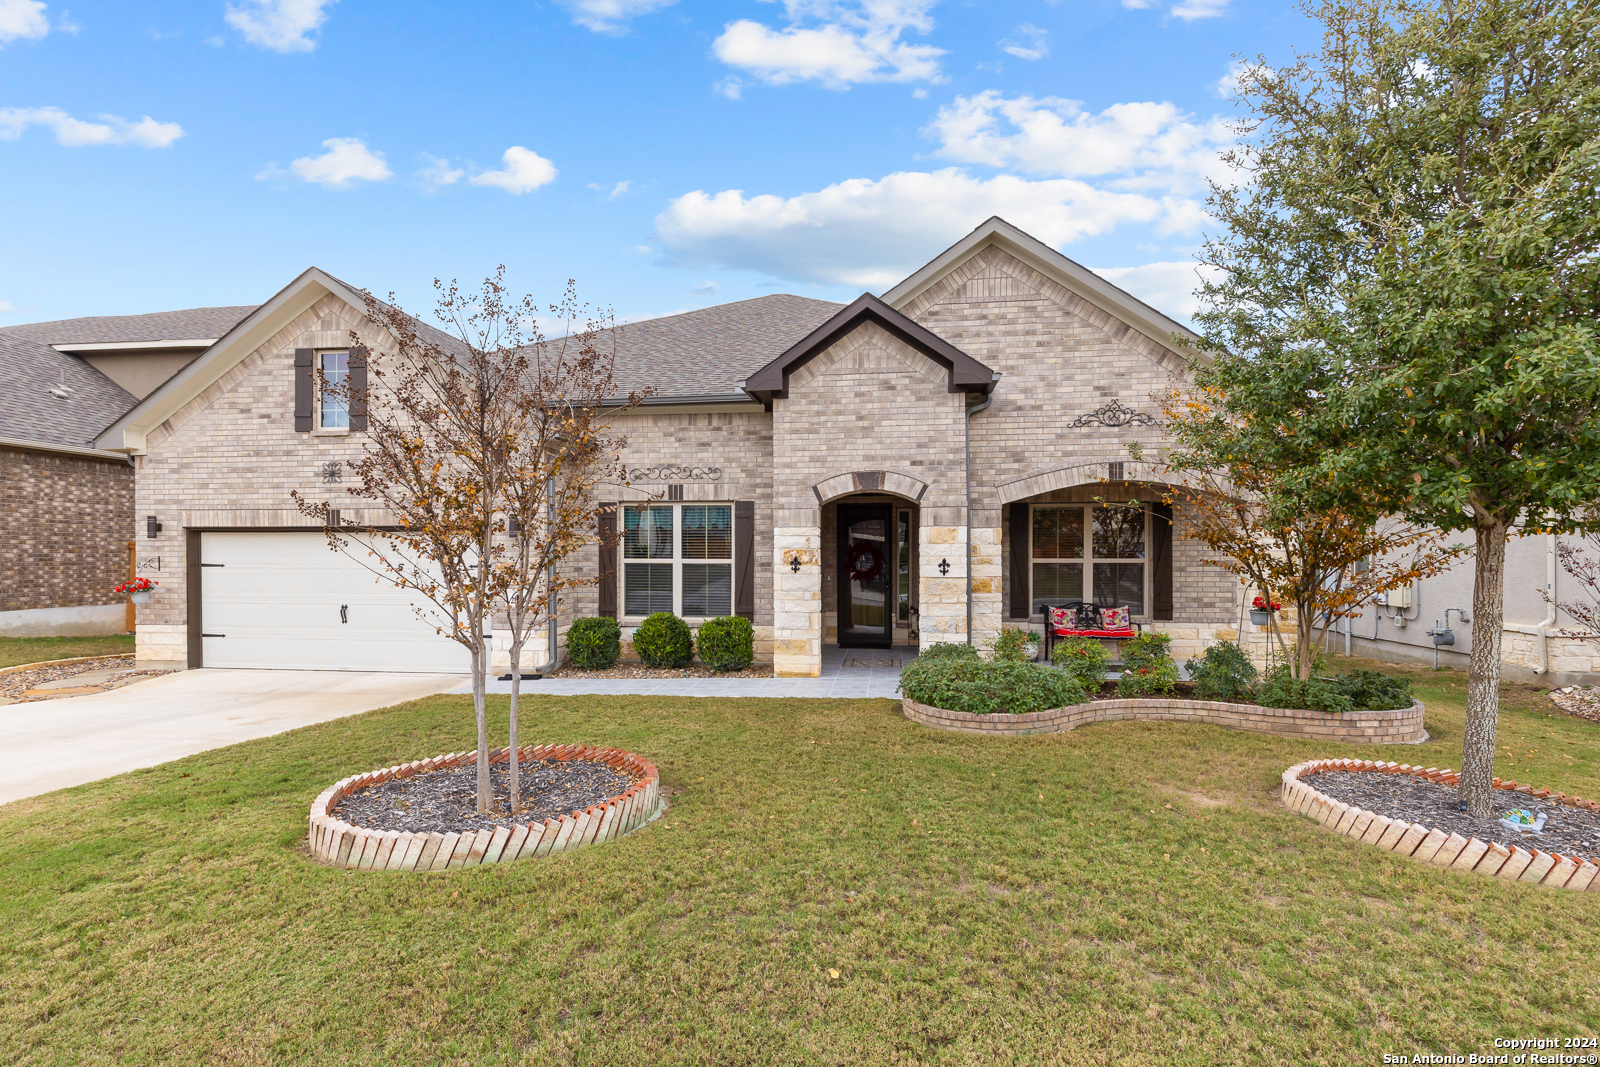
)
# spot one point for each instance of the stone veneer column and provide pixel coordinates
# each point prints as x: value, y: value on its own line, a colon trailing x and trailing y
x: 988, y: 612
x: 797, y: 596
x: 943, y: 617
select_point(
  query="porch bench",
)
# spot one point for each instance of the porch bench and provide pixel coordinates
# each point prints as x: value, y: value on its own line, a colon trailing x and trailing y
x: 1051, y: 632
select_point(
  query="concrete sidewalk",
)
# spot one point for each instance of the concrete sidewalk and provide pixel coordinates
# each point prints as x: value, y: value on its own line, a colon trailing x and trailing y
x: 53, y: 744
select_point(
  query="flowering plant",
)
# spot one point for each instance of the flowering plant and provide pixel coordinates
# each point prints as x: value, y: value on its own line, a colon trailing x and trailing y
x: 1260, y: 604
x: 134, y: 585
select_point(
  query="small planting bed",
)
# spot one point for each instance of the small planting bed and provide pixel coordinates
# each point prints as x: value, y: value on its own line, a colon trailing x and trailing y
x: 639, y: 670
x: 1414, y: 816
x: 439, y: 828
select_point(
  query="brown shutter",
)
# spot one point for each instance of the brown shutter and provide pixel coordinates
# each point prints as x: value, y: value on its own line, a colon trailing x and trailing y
x: 302, y: 390
x: 1021, y: 551
x: 1161, y: 556
x: 608, y: 560
x: 744, y: 559
x: 358, y: 389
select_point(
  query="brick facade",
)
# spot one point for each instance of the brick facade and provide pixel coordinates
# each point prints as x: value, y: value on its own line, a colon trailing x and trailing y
x: 67, y: 522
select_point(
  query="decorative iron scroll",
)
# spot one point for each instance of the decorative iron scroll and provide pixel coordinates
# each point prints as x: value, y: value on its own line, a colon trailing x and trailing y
x: 1114, y: 414
x: 675, y: 474
x: 331, y: 472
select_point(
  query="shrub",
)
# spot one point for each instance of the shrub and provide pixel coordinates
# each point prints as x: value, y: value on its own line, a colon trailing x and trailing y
x: 1376, y: 691
x: 958, y: 682
x: 947, y: 650
x: 1158, y: 677
x: 1356, y: 691
x: 663, y: 640
x: 1223, y: 672
x: 1085, y: 658
x: 1146, y: 650
x: 1011, y: 645
x: 594, y: 644
x: 727, y: 643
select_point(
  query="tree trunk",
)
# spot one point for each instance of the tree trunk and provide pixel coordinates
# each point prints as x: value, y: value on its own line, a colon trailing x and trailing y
x: 1483, y: 677
x: 1303, y: 638
x: 516, y: 690
x: 485, y: 791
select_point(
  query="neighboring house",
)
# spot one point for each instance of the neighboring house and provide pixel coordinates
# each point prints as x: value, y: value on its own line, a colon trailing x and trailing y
x: 918, y: 468
x: 68, y: 506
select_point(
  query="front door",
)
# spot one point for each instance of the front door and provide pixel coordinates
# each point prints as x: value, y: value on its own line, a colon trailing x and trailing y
x: 866, y: 571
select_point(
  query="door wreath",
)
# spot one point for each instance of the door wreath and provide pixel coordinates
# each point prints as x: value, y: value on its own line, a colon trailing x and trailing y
x: 866, y: 562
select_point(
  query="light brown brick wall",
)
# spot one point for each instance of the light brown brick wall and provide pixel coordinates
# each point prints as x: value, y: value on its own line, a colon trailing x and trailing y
x: 67, y: 522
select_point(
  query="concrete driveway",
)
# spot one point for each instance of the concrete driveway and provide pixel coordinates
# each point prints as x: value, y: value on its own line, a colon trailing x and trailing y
x: 52, y: 744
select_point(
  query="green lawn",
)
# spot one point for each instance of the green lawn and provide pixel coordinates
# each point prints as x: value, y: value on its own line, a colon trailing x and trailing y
x: 1127, y: 893
x: 16, y: 650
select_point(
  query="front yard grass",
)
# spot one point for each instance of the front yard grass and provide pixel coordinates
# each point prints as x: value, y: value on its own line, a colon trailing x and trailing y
x: 15, y: 651
x: 833, y: 885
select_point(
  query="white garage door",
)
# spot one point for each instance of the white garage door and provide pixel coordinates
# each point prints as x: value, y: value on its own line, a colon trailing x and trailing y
x: 286, y: 601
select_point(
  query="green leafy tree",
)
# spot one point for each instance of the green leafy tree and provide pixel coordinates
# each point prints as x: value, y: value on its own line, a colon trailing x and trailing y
x: 1408, y: 287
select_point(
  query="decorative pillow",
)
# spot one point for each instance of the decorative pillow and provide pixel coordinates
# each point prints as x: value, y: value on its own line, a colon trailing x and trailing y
x: 1062, y: 619
x: 1115, y: 619
x: 1089, y: 617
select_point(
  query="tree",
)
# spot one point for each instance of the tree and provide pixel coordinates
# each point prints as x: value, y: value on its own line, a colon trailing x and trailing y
x: 1412, y: 245
x: 560, y: 453
x: 1327, y: 562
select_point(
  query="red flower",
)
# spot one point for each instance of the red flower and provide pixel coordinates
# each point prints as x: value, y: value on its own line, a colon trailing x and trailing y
x: 1260, y: 604
x: 134, y: 585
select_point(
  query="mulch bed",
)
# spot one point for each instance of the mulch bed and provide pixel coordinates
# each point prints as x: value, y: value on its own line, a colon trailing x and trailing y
x: 14, y: 685
x: 1570, y: 831
x: 639, y: 670
x: 1578, y: 701
x: 445, y: 801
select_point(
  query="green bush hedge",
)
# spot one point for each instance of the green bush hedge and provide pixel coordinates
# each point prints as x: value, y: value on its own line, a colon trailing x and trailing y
x: 1356, y: 691
x: 1223, y: 672
x: 962, y: 681
x: 1085, y: 658
x: 594, y: 644
x: 1146, y: 667
x: 727, y: 643
x: 663, y: 640
x: 1011, y: 645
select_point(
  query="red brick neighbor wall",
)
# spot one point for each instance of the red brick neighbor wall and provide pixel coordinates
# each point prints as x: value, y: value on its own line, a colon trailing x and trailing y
x: 67, y: 521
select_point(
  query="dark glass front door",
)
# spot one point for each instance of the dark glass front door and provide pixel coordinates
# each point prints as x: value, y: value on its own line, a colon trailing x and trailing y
x: 866, y: 570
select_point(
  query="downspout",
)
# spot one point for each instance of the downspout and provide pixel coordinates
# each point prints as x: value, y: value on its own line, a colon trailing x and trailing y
x: 971, y: 411
x: 550, y: 609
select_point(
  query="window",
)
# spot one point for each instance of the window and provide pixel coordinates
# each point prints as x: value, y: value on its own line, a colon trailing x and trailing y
x: 902, y: 557
x: 333, y: 411
x: 678, y: 558
x: 1090, y: 552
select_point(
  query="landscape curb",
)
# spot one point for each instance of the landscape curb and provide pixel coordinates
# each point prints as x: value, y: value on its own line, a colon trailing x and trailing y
x: 336, y: 843
x: 19, y: 668
x: 1431, y: 845
x: 1400, y: 726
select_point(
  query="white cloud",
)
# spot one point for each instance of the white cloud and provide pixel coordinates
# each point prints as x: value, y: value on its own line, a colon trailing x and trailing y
x: 1138, y: 5
x: 705, y: 289
x: 22, y: 20
x: 871, y: 233
x: 280, y: 25
x: 1167, y: 287
x: 437, y: 172
x: 1031, y: 45
x: 74, y: 133
x: 524, y: 172
x: 834, y: 43
x: 1136, y: 146
x: 347, y: 159
x: 612, y: 16
x: 616, y: 190
x: 1189, y: 10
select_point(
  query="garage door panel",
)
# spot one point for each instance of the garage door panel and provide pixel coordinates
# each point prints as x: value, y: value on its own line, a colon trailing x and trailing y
x: 276, y: 599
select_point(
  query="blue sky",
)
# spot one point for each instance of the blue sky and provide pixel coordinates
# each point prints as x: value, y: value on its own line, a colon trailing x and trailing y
x: 160, y: 155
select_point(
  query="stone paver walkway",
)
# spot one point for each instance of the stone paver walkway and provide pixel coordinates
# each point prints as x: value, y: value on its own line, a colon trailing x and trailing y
x: 849, y: 672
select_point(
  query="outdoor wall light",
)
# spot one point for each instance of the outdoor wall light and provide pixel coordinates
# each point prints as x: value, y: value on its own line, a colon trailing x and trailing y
x: 151, y: 526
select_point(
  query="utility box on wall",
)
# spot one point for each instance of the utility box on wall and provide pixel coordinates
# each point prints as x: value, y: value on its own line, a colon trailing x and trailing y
x: 1396, y: 598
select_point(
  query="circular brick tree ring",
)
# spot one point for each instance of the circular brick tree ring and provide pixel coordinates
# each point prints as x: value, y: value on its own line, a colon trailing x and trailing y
x: 337, y: 843
x: 1432, y: 845
x: 1402, y: 726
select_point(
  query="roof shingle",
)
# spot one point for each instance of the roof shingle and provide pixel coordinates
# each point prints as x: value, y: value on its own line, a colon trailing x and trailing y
x: 110, y: 329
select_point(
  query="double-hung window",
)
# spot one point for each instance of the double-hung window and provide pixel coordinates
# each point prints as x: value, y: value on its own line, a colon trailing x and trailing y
x: 333, y: 410
x: 678, y: 558
x: 1092, y: 552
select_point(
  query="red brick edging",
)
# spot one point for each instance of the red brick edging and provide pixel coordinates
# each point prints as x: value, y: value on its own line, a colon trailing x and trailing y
x: 336, y: 843
x: 1400, y: 726
x: 1434, y: 845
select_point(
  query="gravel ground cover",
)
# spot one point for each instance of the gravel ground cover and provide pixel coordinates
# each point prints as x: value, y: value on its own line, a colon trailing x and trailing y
x: 1569, y: 831
x: 445, y: 801
x: 1576, y: 700
x: 15, y: 685
x: 639, y: 670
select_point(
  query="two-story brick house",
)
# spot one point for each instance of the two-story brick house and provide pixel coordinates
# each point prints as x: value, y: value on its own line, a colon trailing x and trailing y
x: 913, y: 468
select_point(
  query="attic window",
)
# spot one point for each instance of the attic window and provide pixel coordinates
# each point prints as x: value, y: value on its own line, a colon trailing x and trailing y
x: 333, y: 412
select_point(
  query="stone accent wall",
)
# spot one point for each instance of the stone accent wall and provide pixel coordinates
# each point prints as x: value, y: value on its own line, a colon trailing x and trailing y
x: 67, y: 522
x: 1567, y: 655
x: 1432, y: 845
x: 1401, y: 727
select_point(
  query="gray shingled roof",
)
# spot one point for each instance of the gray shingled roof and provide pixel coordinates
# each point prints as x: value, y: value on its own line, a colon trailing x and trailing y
x: 706, y: 352
x: 109, y: 329
x: 28, y: 410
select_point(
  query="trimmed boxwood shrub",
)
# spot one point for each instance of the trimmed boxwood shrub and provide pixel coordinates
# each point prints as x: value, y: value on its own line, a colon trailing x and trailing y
x: 962, y: 681
x: 727, y: 643
x: 663, y: 640
x: 1085, y: 658
x: 594, y: 644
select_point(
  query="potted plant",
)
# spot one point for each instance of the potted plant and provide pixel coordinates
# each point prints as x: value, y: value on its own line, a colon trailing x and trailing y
x: 136, y: 589
x: 1261, y: 610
